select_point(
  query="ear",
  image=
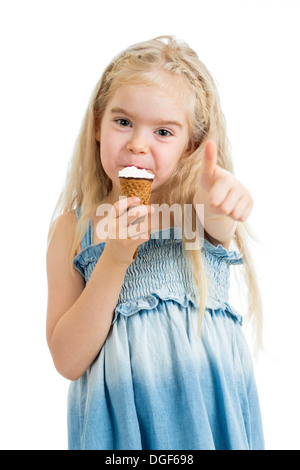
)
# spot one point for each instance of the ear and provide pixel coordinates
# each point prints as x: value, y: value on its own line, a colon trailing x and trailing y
x: 97, y: 129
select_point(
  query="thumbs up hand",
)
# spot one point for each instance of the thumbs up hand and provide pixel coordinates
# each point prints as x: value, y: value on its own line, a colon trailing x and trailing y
x: 220, y: 190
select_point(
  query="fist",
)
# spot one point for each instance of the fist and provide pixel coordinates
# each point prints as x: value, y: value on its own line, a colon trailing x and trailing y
x: 128, y: 227
x: 224, y: 193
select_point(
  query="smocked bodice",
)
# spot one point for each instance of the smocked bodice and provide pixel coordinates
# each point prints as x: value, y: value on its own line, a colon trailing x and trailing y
x: 162, y: 270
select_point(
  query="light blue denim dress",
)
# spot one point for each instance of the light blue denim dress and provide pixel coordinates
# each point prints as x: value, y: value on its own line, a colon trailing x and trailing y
x: 156, y: 383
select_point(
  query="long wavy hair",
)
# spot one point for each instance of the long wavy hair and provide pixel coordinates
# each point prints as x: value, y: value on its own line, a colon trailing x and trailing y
x: 87, y: 184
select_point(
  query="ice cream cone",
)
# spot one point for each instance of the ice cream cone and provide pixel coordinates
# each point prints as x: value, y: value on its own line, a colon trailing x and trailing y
x: 131, y: 187
x: 135, y: 186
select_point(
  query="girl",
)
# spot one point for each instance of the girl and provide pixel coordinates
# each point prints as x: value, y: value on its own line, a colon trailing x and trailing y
x: 155, y: 353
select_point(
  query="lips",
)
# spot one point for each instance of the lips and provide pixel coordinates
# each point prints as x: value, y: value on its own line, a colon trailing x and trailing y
x: 138, y: 167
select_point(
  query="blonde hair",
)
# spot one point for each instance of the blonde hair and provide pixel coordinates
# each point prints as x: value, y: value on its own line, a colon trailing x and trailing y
x: 87, y: 184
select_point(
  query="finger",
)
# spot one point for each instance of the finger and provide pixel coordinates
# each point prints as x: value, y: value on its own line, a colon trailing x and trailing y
x: 228, y: 201
x: 123, y: 205
x: 139, y: 231
x: 209, y: 159
x: 138, y: 213
x: 246, y: 213
x: 219, y: 191
x: 241, y: 211
x: 134, y: 216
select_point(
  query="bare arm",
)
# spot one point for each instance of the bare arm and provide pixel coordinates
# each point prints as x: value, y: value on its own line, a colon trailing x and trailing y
x: 78, y: 317
x: 226, y: 201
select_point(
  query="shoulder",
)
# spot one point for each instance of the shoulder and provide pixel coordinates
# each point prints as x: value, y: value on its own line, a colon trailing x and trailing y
x: 60, y: 273
x: 63, y: 224
x: 61, y: 237
x: 62, y: 229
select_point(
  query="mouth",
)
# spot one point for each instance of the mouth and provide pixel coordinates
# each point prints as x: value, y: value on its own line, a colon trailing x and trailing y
x: 138, y: 167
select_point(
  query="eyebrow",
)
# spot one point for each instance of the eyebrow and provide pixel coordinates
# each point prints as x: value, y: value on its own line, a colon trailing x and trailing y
x: 163, y: 122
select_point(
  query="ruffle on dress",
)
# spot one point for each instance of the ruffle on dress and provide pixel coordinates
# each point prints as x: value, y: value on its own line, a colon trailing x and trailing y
x: 229, y: 257
x: 152, y: 301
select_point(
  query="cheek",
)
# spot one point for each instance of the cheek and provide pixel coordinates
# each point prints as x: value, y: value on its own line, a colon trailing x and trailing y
x: 167, y: 162
x: 163, y: 173
x: 107, y: 153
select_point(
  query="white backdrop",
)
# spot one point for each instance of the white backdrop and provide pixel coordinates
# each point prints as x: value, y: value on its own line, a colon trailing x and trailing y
x: 52, y: 54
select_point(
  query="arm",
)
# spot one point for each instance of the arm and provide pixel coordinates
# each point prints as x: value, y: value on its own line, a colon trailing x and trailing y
x: 226, y: 201
x: 78, y: 317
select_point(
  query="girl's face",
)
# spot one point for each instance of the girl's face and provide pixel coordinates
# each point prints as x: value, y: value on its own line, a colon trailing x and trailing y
x: 143, y: 126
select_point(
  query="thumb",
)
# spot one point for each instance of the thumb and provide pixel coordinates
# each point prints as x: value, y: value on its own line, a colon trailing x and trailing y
x: 209, y: 163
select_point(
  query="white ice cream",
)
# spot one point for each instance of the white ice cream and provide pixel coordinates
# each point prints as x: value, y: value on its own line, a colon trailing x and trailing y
x: 133, y: 172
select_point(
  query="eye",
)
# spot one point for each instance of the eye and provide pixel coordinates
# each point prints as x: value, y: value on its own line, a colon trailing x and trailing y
x: 163, y: 133
x: 123, y: 122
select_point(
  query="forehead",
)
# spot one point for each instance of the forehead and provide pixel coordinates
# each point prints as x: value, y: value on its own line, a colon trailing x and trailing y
x: 165, y: 97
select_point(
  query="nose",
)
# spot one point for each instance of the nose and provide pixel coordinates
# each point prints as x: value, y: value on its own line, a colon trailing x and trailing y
x: 138, y: 144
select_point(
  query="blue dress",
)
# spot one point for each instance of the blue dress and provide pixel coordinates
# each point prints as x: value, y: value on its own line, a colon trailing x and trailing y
x: 156, y: 383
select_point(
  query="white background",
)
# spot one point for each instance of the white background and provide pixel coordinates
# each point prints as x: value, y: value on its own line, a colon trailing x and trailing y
x: 52, y: 54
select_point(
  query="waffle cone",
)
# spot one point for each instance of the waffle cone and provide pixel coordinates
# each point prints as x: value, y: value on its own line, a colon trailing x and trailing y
x: 136, y: 187
x: 133, y: 187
